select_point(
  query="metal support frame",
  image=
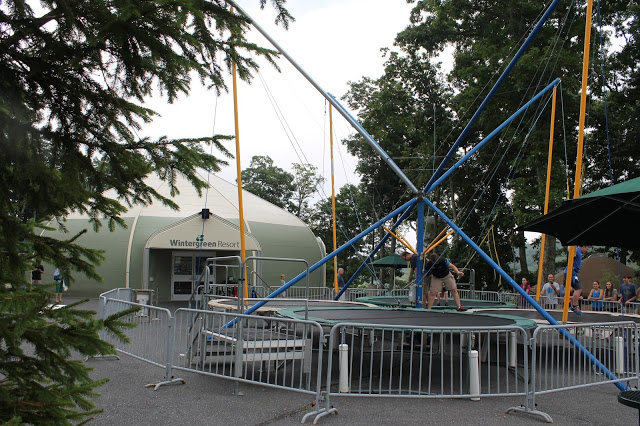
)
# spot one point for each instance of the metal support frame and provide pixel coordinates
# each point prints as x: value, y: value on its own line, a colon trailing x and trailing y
x: 374, y: 251
x: 527, y: 297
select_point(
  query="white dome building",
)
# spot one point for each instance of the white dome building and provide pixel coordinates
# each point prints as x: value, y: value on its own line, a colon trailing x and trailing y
x: 165, y: 250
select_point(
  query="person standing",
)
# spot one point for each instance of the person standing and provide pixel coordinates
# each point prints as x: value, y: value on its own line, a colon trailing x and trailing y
x: 36, y: 274
x: 595, y: 296
x: 443, y: 294
x: 526, y: 286
x: 426, y: 276
x: 341, y: 283
x: 413, y: 261
x: 628, y: 294
x: 283, y: 281
x: 610, y: 297
x: 59, y: 279
x: 440, y: 269
x: 551, y: 291
x: 575, y: 280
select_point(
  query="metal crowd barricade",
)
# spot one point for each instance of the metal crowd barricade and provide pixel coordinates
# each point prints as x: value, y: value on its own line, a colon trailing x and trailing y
x: 151, y: 338
x: 491, y: 296
x: 558, y: 365
x: 315, y: 293
x: 270, y: 351
x: 425, y: 362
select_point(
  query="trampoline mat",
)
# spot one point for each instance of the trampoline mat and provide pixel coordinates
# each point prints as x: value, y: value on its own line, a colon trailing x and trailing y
x: 274, y: 304
x: 450, y: 304
x: 406, y: 317
x: 586, y: 317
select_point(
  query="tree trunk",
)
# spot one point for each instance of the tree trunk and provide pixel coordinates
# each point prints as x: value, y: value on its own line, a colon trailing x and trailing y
x: 522, y: 253
x: 549, y: 265
x: 452, y: 201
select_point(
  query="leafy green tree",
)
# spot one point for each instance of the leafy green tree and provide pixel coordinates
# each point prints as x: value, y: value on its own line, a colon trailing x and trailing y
x: 354, y: 214
x: 73, y: 80
x: 405, y: 112
x: 267, y: 181
x: 306, y: 182
x: 514, y: 170
x: 622, y: 86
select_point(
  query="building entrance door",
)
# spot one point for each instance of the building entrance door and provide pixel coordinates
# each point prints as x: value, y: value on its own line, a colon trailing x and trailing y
x: 186, y: 271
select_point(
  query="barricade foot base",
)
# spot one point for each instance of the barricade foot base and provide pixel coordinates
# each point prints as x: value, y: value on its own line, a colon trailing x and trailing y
x: 319, y: 414
x: 116, y: 357
x: 522, y: 409
x: 166, y: 382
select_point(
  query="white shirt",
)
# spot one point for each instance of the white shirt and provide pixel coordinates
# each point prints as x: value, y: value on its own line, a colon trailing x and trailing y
x: 549, y: 290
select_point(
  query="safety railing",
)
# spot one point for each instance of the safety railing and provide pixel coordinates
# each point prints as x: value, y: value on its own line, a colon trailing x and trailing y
x: 269, y: 351
x: 609, y: 354
x: 149, y: 340
x: 559, y: 365
x: 491, y: 296
x: 425, y: 362
x: 377, y: 360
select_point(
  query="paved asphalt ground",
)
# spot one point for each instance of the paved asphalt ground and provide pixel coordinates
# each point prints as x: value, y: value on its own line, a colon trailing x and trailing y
x: 210, y: 400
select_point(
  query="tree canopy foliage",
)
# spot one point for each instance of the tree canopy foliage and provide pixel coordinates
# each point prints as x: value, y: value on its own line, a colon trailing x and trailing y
x: 74, y: 77
x: 503, y: 184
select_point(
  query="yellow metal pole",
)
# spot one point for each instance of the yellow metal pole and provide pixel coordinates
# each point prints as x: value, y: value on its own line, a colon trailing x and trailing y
x: 486, y: 235
x: 577, y: 189
x: 401, y: 240
x: 435, y: 239
x: 243, y: 254
x: 436, y: 244
x: 333, y: 206
x: 548, y: 189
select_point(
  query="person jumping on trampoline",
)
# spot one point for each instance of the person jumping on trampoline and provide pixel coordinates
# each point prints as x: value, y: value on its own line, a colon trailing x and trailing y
x: 440, y: 269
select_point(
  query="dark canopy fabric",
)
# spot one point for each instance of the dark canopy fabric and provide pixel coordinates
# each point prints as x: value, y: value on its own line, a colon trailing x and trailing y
x: 608, y: 217
x: 392, y: 260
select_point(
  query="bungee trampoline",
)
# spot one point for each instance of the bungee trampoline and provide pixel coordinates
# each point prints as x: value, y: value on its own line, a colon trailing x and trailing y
x: 404, y: 302
x: 586, y: 317
x: 418, y: 333
x: 275, y: 304
x: 405, y: 317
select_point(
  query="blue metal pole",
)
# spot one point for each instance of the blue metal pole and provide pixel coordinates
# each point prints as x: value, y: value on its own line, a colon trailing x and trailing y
x: 385, y: 157
x: 528, y: 298
x: 331, y: 100
x: 373, y: 252
x: 495, y: 88
x: 325, y: 259
x: 419, y: 246
x: 491, y: 135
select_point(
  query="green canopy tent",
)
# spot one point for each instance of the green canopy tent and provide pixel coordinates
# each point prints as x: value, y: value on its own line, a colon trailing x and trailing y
x: 392, y: 261
x: 608, y: 217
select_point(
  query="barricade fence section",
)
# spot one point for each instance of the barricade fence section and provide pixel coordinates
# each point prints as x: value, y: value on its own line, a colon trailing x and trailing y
x: 377, y: 360
x: 443, y: 362
x: 149, y: 338
x: 559, y: 365
x: 266, y: 350
x: 491, y: 296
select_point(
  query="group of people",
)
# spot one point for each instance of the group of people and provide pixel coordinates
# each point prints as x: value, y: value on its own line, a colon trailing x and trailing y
x: 553, y: 291
x: 36, y: 279
x: 436, y: 277
x: 600, y: 298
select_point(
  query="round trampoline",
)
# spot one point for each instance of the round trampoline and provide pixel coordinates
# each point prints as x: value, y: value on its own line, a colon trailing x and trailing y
x: 586, y: 317
x: 403, y: 302
x: 275, y: 304
x: 405, y: 317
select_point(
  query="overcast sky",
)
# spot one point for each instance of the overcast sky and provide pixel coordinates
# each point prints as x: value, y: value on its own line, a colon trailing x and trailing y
x: 334, y: 41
